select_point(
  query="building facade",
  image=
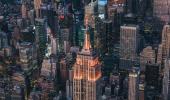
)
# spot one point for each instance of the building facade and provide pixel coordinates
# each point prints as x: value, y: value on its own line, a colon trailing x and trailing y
x: 152, y: 81
x: 165, y: 41
x: 161, y: 10
x: 128, y: 45
x: 37, y: 6
x: 133, y: 85
x: 166, y: 84
x: 87, y: 73
x: 147, y: 55
x: 24, y: 10
x: 26, y: 55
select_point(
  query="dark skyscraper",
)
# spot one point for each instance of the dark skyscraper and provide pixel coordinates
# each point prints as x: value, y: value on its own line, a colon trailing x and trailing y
x: 132, y: 6
x: 41, y: 38
x: 152, y: 87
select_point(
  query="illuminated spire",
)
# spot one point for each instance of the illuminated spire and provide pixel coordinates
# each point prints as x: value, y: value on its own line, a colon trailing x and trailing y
x: 86, y: 69
x: 87, y: 44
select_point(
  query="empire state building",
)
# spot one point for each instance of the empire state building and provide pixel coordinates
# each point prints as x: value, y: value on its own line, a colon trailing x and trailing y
x: 87, y: 73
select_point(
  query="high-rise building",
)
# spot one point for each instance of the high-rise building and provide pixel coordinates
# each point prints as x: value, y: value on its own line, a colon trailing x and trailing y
x: 147, y: 55
x: 69, y: 85
x: 52, y: 41
x: 133, y: 91
x: 37, y: 6
x: 4, y: 48
x: 76, y: 4
x: 152, y: 78
x: 18, y: 84
x: 87, y: 73
x: 69, y: 90
x: 166, y: 79
x: 77, y: 34
x: 63, y: 70
x: 159, y: 54
x: 24, y: 10
x: 26, y: 55
x: 152, y: 81
x: 132, y: 6
x: 105, y: 36
x: 115, y: 7
x: 64, y: 39
x: 48, y: 69
x: 31, y: 16
x: 129, y: 41
x: 48, y: 12
x: 165, y: 41
x: 161, y: 10
x: 141, y: 87
x: 41, y: 38
x: 90, y: 11
x: 3, y: 40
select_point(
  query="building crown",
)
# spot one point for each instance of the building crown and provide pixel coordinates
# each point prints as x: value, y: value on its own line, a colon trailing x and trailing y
x: 87, y: 44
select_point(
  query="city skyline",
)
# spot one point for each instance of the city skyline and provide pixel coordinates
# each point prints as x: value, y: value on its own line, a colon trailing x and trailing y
x: 84, y: 49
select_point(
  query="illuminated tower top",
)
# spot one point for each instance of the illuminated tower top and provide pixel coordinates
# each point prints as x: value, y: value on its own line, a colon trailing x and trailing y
x: 86, y: 72
x: 87, y: 44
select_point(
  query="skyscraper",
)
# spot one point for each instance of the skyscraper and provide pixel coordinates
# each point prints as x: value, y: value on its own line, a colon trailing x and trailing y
x: 87, y: 73
x: 26, y: 55
x: 166, y: 84
x: 41, y: 37
x: 147, y: 55
x: 37, y: 6
x: 133, y: 85
x: 48, y: 69
x: 159, y: 54
x: 90, y: 11
x: 132, y: 6
x: 129, y: 35
x: 161, y: 10
x: 105, y: 36
x: 152, y: 81
x: 165, y: 56
x: 24, y: 10
x: 165, y: 41
x: 3, y: 40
